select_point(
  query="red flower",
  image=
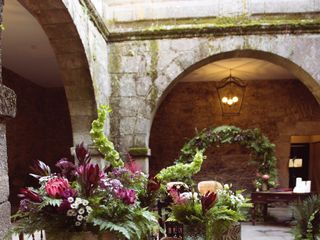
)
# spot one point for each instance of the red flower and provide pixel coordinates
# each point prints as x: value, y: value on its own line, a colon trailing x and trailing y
x: 56, y: 187
x: 90, y: 177
x: 31, y: 195
x: 208, y: 201
x: 153, y: 184
x: 82, y: 154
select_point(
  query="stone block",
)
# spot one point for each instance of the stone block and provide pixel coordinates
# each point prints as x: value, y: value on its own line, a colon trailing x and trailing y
x: 79, y: 93
x: 79, y: 77
x: 4, y: 185
x: 72, y: 60
x: 82, y: 108
x: 127, y: 86
x: 7, y: 102
x: 54, y: 16
x: 143, y: 85
x: 71, y: 45
x: 51, y: 4
x: 127, y: 125
x: 4, y: 218
x: 61, y: 31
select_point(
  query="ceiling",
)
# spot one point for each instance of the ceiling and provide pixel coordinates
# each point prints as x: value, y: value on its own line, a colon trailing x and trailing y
x: 26, y: 49
x: 243, y: 68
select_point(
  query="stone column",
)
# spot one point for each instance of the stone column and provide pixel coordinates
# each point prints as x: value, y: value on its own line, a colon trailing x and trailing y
x: 7, y: 110
x: 141, y: 157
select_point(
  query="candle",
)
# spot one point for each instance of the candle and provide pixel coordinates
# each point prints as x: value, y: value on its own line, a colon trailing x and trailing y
x: 308, y: 186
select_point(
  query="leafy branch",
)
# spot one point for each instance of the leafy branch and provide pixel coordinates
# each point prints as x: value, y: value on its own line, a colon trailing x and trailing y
x: 105, y: 146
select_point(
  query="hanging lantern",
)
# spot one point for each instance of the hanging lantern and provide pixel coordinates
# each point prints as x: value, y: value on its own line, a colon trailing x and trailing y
x: 231, y: 92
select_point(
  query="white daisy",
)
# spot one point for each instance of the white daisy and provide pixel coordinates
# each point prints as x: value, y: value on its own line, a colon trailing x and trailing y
x: 89, y: 209
x: 81, y: 211
x: 78, y: 224
x: 85, y: 202
x: 70, y: 212
x: 79, y: 217
x: 70, y: 199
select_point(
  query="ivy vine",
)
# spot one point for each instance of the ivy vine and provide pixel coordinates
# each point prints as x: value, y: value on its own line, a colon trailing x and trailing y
x: 262, y: 150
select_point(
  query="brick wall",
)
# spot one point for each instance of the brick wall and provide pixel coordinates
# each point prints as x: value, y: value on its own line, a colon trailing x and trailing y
x: 268, y: 105
x: 41, y: 129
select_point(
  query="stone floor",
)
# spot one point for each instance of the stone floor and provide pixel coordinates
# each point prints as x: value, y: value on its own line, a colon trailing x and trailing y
x: 265, y: 232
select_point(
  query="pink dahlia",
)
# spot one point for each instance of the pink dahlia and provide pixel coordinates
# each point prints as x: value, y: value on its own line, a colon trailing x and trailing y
x: 56, y: 187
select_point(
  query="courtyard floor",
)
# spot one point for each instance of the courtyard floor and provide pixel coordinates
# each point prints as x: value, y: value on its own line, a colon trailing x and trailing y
x: 249, y: 232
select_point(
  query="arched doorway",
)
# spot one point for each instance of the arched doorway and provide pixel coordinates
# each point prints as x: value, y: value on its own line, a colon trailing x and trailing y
x: 45, y: 64
x: 280, y: 98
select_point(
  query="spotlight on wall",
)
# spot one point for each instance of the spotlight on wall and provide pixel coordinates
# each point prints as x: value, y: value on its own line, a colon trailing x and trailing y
x: 231, y: 92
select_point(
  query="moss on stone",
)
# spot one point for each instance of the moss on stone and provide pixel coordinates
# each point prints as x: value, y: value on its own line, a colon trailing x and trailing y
x: 153, y: 72
x: 138, y: 151
x: 221, y: 25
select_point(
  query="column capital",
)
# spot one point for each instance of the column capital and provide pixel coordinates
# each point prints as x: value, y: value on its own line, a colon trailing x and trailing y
x: 8, y: 102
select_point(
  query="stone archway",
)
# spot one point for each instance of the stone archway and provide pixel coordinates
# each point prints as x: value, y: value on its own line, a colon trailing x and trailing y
x: 58, y: 24
x: 310, y: 83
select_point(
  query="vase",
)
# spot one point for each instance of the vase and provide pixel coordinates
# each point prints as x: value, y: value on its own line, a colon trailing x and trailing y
x: 233, y: 232
x: 192, y: 232
x: 264, y: 187
x: 80, y: 236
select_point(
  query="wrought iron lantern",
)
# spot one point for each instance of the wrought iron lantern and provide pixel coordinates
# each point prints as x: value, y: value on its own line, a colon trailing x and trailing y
x: 231, y: 91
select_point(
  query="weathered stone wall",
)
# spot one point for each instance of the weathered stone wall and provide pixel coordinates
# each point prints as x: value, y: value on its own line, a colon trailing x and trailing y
x: 41, y: 130
x: 267, y: 105
x: 134, y: 10
x: 143, y: 72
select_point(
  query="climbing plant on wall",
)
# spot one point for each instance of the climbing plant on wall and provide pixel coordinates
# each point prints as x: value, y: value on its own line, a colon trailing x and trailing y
x: 262, y: 151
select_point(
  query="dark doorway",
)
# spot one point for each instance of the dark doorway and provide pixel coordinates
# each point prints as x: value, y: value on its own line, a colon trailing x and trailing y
x: 299, y: 151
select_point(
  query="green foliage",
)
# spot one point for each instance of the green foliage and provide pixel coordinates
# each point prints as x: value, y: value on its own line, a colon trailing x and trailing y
x: 262, y: 150
x: 307, y: 218
x: 136, y: 224
x: 105, y: 146
x: 181, y: 171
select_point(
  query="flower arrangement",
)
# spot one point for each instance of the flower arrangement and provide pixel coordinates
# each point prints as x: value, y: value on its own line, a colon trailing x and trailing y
x: 83, y: 197
x: 212, y: 212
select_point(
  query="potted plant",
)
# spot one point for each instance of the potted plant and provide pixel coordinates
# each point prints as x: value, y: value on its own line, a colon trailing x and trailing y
x: 84, y: 201
x: 213, y: 215
x: 307, y: 219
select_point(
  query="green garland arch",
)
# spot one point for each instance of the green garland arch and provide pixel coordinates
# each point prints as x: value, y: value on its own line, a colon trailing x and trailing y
x: 262, y: 150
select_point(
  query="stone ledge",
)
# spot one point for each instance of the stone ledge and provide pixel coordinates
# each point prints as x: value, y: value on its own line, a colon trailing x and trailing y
x: 215, y: 31
x: 7, y: 102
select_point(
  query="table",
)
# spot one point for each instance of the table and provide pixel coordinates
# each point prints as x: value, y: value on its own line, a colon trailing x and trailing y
x: 270, y: 197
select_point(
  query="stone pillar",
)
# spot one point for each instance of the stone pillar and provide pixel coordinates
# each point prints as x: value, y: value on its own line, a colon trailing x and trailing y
x: 7, y: 110
x: 141, y: 157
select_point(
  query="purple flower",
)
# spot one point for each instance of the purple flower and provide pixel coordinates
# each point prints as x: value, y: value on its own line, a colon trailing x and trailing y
x: 111, y: 183
x: 64, y: 206
x: 67, y: 168
x: 128, y: 196
x: 69, y: 193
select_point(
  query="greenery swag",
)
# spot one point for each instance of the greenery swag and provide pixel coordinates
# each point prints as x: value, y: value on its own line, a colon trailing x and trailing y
x: 262, y: 151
